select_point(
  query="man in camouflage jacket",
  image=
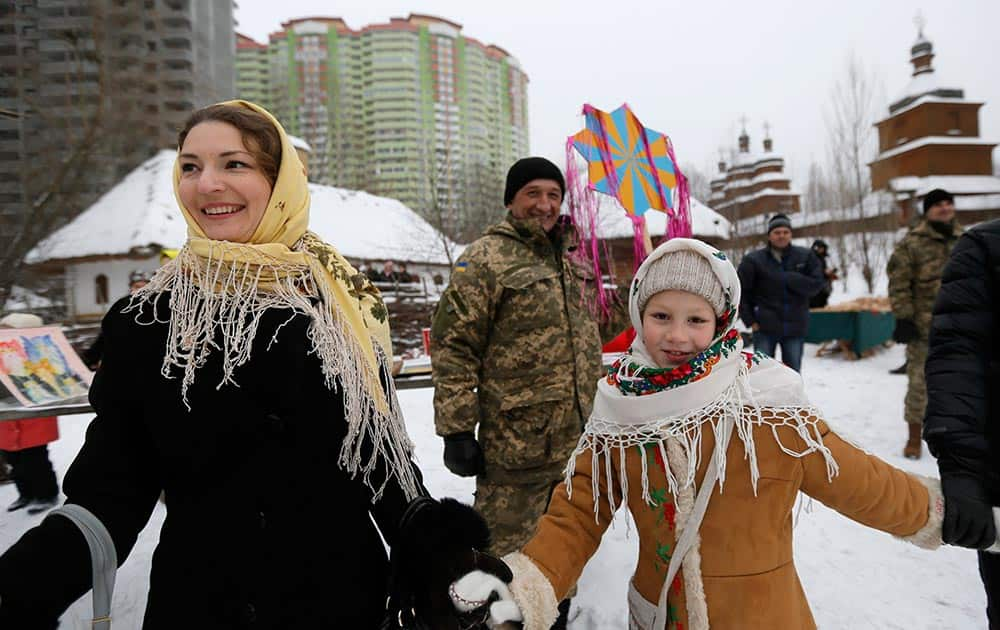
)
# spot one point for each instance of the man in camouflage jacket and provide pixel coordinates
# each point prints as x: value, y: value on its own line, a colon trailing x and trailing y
x: 516, y: 353
x: 914, y: 279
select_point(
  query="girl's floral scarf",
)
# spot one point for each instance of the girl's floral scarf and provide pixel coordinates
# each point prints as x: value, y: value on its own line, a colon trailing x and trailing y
x: 636, y: 379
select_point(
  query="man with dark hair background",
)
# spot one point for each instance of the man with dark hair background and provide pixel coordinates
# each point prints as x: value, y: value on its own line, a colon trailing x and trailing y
x: 517, y: 354
x: 778, y: 282
x: 914, y: 279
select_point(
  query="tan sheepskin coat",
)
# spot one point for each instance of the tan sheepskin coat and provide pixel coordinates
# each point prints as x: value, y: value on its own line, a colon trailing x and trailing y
x: 741, y: 575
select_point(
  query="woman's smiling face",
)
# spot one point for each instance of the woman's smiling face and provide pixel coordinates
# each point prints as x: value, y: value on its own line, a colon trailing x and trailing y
x: 221, y: 185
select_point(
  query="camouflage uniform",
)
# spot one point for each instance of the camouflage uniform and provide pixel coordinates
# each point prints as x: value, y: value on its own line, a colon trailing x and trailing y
x: 517, y: 353
x: 914, y: 279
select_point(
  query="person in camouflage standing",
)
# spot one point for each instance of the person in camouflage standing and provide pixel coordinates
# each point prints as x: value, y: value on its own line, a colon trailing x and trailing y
x: 517, y: 353
x: 914, y: 279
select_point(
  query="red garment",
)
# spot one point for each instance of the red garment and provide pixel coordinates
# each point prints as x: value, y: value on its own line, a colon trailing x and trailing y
x: 621, y: 343
x: 16, y: 435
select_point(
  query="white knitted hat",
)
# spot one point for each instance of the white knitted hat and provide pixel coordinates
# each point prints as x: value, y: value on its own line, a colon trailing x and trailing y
x: 682, y: 270
x: 21, y: 320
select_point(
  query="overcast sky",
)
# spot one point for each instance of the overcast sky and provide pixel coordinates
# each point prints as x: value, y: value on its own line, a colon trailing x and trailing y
x: 692, y: 69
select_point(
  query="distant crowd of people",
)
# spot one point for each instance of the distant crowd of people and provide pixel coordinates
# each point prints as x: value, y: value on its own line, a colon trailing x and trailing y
x: 390, y: 272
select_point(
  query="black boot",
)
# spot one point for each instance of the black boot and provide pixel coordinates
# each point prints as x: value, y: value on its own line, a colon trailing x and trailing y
x: 563, y: 617
x: 900, y: 370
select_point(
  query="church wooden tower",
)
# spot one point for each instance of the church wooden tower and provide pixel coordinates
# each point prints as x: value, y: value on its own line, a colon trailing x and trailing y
x: 931, y: 140
x: 753, y: 188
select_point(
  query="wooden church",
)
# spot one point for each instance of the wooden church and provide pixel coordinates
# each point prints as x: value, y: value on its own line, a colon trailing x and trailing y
x: 930, y: 139
x: 752, y: 188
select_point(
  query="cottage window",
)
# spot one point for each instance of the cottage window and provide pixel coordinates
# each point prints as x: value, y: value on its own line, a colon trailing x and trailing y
x: 101, y: 289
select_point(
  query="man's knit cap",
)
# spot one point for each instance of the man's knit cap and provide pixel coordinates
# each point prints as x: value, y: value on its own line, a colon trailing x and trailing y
x: 529, y: 169
x: 777, y: 221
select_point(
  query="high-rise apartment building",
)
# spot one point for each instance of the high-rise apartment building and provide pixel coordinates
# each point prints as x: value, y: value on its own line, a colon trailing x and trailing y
x: 410, y: 109
x: 252, y: 71
x: 89, y: 89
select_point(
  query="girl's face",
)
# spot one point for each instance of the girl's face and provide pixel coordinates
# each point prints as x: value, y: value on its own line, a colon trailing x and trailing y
x: 676, y: 326
x: 221, y: 183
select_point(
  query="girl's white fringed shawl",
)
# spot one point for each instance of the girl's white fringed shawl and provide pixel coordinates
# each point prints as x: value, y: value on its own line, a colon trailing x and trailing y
x: 764, y: 393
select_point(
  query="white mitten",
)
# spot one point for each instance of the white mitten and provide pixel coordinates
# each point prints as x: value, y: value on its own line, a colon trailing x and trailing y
x: 474, y: 590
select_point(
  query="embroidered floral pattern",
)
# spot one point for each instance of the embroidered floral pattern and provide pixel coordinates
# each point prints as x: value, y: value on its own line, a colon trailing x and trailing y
x: 638, y: 380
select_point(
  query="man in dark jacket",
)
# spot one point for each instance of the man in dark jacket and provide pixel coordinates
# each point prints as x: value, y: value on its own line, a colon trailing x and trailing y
x: 777, y: 282
x: 820, y: 300
x: 962, y: 424
x: 914, y: 279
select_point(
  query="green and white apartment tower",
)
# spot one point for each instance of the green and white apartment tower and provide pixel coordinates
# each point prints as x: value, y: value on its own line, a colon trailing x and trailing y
x: 252, y: 71
x: 398, y: 109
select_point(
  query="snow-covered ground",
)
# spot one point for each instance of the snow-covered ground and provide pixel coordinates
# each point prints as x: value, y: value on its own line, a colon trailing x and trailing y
x: 854, y: 577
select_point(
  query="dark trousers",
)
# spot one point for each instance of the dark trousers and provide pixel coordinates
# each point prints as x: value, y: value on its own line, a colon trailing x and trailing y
x: 791, y: 348
x: 32, y: 472
x: 989, y: 570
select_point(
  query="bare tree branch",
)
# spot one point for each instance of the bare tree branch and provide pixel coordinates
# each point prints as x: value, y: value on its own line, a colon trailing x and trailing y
x: 851, y: 113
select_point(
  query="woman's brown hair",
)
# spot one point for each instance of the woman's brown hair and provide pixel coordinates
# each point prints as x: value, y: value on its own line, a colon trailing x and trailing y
x: 258, y: 133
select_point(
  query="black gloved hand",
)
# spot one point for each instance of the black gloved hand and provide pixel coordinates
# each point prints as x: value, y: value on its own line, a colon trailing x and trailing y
x: 905, y: 331
x: 463, y: 455
x: 437, y: 543
x: 968, y: 511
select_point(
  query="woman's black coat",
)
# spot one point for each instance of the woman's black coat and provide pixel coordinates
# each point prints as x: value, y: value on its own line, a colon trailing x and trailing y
x: 263, y: 529
x: 962, y: 425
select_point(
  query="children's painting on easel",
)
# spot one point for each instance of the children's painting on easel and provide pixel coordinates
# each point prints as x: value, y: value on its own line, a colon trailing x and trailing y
x: 38, y: 366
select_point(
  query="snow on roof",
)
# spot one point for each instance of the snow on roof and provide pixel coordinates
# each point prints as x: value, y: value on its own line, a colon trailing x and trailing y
x: 137, y: 212
x: 978, y: 202
x: 955, y: 184
x: 929, y: 140
x: 364, y: 226
x: 751, y: 158
x: 925, y: 83
x: 877, y: 203
x: 750, y: 181
x: 140, y: 211
x: 929, y: 98
x: 705, y: 222
x: 299, y: 143
x: 764, y: 192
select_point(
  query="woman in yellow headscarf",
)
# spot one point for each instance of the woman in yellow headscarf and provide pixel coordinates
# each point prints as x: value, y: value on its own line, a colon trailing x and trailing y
x: 249, y: 381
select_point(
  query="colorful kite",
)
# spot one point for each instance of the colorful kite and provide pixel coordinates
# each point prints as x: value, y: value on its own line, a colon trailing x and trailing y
x: 632, y: 164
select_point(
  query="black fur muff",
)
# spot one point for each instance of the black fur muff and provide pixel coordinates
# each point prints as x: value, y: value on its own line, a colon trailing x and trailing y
x: 437, y: 543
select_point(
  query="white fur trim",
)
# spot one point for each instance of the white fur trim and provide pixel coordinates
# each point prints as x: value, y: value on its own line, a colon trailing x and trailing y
x: 929, y: 536
x: 532, y: 592
x: 694, y: 588
x: 504, y: 611
x: 474, y: 589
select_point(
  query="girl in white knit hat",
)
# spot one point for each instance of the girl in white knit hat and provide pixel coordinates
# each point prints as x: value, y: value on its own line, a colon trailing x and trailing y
x: 709, y: 447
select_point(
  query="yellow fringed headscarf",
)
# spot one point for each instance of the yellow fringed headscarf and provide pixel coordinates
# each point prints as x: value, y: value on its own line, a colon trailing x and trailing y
x: 223, y: 288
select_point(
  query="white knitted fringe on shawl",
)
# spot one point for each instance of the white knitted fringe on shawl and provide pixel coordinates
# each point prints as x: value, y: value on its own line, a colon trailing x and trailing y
x: 235, y: 308
x: 603, y: 436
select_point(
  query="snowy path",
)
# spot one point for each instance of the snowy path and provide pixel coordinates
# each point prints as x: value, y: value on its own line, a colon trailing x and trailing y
x: 854, y: 577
